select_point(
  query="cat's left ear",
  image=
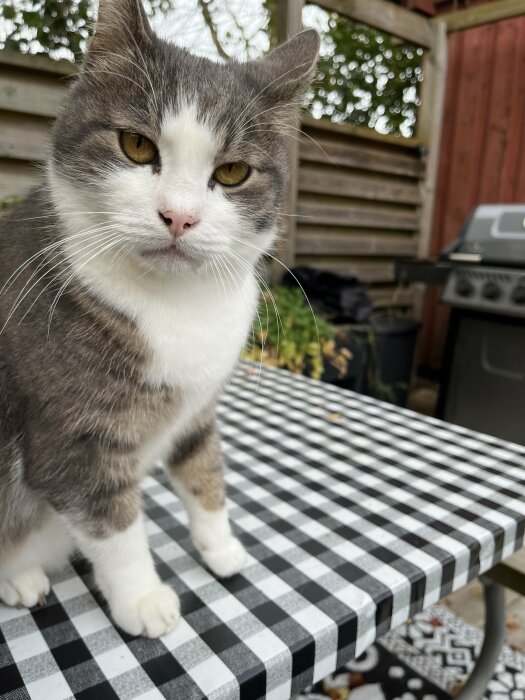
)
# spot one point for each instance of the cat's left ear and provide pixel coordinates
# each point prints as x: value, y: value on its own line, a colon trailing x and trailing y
x: 289, y: 68
x: 122, y: 25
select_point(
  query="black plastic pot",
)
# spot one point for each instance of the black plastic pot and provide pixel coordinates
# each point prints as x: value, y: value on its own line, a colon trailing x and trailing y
x: 382, y: 358
x: 392, y: 343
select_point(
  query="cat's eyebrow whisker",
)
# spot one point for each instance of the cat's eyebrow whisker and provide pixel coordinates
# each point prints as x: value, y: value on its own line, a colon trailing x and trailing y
x: 153, y: 96
x: 279, y: 77
x: 265, y: 153
x: 100, y: 237
x: 295, y: 216
x: 243, y: 128
x: 286, y: 125
x: 290, y: 127
x: 297, y: 103
x: 146, y: 72
x: 256, y: 130
x: 89, y: 72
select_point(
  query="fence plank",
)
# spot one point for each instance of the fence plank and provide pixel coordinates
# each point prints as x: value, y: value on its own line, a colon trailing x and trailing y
x: 356, y: 214
x: 391, y: 297
x: 30, y: 93
x: 22, y: 137
x: 384, y: 16
x: 361, y: 132
x: 323, y: 241
x: 367, y: 272
x: 42, y: 64
x: 483, y: 14
x: 17, y: 177
x: 322, y: 180
x: 353, y: 153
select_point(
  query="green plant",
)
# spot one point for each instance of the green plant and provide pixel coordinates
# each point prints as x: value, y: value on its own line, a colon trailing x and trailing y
x: 364, y: 76
x: 287, y: 333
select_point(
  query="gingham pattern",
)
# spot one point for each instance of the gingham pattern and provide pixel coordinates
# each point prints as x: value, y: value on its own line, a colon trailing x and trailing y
x: 355, y: 514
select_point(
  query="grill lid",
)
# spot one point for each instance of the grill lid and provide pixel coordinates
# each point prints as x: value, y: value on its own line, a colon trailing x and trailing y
x: 493, y: 234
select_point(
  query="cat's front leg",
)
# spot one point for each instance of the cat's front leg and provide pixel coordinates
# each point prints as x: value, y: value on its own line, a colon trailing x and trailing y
x: 97, y: 494
x: 124, y: 571
x: 195, y: 466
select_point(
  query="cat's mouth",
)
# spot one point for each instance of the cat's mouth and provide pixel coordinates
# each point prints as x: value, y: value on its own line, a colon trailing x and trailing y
x: 172, y: 251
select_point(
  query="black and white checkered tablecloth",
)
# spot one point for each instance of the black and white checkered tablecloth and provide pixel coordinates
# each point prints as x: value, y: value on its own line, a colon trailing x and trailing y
x: 355, y: 514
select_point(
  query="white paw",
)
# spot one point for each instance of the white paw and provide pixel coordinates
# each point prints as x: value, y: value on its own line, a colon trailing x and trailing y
x: 27, y: 588
x: 152, y: 615
x: 225, y: 559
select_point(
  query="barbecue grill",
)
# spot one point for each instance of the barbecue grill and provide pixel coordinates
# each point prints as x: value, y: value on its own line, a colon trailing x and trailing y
x: 483, y: 278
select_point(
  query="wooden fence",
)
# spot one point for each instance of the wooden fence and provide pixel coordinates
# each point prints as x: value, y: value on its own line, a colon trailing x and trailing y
x: 359, y: 199
x: 31, y: 91
x: 358, y: 205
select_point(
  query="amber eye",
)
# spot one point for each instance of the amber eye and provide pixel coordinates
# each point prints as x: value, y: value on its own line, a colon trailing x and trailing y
x: 138, y: 148
x: 231, y: 174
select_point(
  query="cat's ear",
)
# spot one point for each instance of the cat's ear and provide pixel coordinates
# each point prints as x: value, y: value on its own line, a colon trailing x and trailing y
x: 289, y: 68
x: 121, y: 25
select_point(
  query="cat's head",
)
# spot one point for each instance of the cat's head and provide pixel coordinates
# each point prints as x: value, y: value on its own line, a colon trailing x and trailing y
x: 171, y: 158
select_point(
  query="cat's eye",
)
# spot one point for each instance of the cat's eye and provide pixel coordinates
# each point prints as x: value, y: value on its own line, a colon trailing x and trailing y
x: 138, y: 148
x: 231, y: 174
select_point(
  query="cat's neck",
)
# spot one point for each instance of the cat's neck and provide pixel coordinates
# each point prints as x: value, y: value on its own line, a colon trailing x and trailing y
x: 126, y: 284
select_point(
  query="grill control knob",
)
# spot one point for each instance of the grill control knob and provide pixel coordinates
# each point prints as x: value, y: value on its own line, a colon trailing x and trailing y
x: 518, y: 294
x: 491, y: 291
x: 464, y: 288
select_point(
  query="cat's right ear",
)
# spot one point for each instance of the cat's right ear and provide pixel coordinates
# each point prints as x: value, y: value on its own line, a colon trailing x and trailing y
x: 122, y: 26
x: 287, y: 70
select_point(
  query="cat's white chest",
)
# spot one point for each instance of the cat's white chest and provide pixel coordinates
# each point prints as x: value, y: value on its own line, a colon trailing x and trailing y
x: 194, y: 341
x: 195, y: 336
x: 194, y: 330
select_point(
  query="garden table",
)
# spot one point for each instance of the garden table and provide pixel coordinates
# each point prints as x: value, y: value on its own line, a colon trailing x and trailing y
x: 355, y: 513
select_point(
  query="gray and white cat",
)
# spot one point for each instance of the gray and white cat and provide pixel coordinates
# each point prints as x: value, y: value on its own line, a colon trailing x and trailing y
x: 167, y: 175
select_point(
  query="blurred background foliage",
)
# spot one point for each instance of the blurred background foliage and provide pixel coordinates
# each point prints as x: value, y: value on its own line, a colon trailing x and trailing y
x: 365, y: 77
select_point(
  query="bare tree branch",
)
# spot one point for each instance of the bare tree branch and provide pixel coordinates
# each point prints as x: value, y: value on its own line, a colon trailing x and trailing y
x: 203, y: 4
x: 239, y: 28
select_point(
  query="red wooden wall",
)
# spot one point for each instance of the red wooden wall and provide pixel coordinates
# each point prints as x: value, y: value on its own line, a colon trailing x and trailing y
x: 483, y: 144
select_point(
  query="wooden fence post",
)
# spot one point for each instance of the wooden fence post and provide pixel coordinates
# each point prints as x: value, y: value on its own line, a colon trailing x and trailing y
x: 289, y: 23
x: 429, y: 128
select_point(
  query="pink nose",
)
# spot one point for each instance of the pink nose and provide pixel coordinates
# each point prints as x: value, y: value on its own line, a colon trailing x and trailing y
x: 177, y: 222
